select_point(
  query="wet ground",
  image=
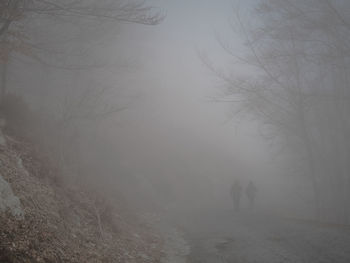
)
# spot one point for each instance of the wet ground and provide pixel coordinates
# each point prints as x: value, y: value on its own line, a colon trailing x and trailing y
x: 227, y: 237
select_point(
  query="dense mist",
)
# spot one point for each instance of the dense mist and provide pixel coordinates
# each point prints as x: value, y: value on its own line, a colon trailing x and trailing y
x: 225, y: 120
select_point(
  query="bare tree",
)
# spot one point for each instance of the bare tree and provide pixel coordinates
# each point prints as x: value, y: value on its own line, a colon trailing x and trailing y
x: 298, y: 59
x: 16, y: 16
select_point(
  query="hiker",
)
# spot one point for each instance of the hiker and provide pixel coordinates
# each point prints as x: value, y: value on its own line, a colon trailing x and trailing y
x: 251, y: 194
x: 235, y: 193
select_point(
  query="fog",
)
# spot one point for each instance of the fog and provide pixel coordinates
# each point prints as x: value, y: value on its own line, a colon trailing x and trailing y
x: 173, y: 107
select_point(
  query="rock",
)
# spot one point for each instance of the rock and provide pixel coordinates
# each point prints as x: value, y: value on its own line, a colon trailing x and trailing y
x: 8, y: 201
x: 2, y: 122
x: 2, y: 137
x: 21, y: 167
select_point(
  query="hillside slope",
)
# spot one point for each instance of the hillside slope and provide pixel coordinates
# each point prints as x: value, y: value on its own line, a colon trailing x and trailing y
x: 61, y: 223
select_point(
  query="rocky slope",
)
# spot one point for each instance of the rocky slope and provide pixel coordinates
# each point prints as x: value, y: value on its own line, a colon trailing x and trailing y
x: 44, y: 220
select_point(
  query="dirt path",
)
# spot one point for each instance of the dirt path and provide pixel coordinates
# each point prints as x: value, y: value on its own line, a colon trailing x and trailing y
x: 175, y: 247
x: 247, y: 238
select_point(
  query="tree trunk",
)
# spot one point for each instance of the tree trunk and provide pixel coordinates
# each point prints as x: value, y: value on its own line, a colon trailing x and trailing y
x: 305, y: 136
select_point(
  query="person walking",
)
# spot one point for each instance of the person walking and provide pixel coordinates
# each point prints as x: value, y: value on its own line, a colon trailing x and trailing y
x: 235, y: 193
x: 251, y: 194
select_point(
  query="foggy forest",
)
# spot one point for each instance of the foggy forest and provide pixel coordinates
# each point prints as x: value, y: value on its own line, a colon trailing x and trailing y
x: 180, y: 131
